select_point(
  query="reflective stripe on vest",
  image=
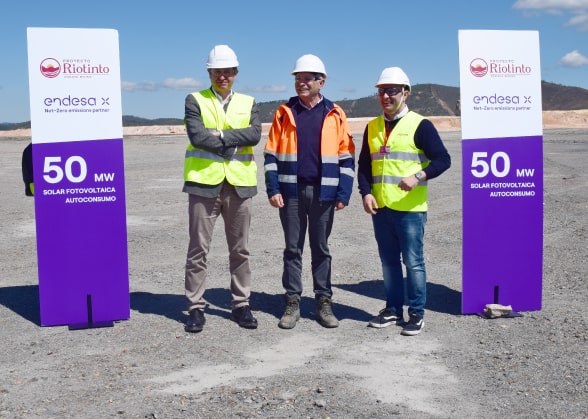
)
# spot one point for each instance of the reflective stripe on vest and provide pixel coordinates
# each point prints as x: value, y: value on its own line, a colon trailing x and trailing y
x: 204, y: 167
x: 404, y: 159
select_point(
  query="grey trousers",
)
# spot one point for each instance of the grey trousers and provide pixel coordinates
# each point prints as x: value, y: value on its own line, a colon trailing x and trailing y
x: 203, y: 213
x: 297, y: 216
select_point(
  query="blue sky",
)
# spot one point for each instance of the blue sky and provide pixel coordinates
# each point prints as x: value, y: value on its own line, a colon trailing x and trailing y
x: 164, y: 44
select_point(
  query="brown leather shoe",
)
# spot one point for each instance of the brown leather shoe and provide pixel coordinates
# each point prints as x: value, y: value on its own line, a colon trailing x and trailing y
x: 324, y: 313
x: 291, y: 315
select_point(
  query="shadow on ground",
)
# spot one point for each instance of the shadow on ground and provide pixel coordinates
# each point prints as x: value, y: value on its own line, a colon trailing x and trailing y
x: 440, y: 298
x: 218, y: 304
x: 24, y: 301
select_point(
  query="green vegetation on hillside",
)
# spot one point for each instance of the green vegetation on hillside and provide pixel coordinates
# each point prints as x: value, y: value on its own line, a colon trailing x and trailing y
x: 427, y: 99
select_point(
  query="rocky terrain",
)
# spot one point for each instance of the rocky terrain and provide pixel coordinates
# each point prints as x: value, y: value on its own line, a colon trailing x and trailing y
x: 460, y: 366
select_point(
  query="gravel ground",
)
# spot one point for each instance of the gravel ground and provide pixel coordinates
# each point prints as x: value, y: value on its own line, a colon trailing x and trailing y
x: 148, y: 367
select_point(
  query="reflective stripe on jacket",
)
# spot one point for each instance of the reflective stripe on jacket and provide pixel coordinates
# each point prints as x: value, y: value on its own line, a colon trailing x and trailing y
x: 401, y: 159
x: 202, y: 166
x: 337, y: 155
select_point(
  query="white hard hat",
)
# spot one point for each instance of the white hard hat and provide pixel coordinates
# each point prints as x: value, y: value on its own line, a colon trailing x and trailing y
x: 221, y: 56
x: 393, y: 75
x: 309, y: 64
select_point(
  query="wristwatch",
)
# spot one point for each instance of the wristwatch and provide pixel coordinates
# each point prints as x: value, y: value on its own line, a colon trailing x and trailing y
x: 419, y: 176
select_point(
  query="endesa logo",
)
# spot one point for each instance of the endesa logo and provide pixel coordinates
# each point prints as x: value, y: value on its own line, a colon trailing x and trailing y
x: 50, y: 68
x: 498, y: 68
x: 69, y: 103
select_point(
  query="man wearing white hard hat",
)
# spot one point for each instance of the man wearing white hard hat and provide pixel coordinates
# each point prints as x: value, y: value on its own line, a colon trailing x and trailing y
x: 401, y: 152
x: 220, y: 177
x: 309, y: 169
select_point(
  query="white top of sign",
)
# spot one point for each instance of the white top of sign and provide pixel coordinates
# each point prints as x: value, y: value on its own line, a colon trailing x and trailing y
x: 74, y: 83
x: 500, y: 84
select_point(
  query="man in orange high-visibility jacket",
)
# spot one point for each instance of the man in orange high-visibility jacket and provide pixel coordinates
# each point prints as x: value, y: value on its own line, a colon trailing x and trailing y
x: 309, y: 168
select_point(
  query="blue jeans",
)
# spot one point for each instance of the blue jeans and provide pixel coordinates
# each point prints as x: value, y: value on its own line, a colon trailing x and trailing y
x: 298, y: 215
x: 400, y: 233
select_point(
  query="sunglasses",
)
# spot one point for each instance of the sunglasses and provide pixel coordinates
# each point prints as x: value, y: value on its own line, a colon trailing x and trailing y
x: 227, y: 72
x: 306, y: 79
x: 390, y: 91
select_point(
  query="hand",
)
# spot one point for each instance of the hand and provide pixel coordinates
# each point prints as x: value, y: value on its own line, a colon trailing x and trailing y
x: 369, y: 204
x: 408, y: 183
x: 227, y: 152
x: 214, y: 132
x: 276, y: 200
x: 339, y: 205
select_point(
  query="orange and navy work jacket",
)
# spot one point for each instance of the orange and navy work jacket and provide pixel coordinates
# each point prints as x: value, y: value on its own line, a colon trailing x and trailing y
x: 337, y: 155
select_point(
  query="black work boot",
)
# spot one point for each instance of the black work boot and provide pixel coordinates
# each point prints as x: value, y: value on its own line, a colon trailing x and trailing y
x: 244, y: 318
x: 195, y: 321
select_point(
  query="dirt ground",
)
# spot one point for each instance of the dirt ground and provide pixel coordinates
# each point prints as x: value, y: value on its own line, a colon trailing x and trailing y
x: 460, y: 366
x: 551, y: 119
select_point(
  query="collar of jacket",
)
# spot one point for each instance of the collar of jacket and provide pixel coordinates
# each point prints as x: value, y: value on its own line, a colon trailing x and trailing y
x: 294, y: 100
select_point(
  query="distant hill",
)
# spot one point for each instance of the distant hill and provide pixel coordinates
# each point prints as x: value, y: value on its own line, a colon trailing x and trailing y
x: 9, y: 126
x: 556, y: 97
x: 438, y: 100
x: 426, y: 99
x: 135, y: 121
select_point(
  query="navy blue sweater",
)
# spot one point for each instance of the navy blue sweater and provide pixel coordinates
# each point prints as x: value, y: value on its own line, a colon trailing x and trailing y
x: 309, y: 123
x: 426, y: 138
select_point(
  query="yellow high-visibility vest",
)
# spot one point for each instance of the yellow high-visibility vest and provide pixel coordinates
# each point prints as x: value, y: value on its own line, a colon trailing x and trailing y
x: 202, y: 166
x: 394, y: 158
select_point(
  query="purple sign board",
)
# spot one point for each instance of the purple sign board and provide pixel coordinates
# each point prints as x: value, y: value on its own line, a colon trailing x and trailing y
x: 81, y: 232
x: 502, y: 171
x: 502, y: 223
x: 78, y: 165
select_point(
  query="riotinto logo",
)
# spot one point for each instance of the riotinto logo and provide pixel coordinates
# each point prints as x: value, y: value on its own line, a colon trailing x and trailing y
x: 84, y: 68
x: 72, y: 68
x: 498, y: 68
x: 50, y: 68
x: 478, y: 67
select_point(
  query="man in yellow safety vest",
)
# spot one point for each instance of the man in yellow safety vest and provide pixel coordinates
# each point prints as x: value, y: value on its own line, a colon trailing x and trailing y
x: 401, y: 152
x: 220, y: 177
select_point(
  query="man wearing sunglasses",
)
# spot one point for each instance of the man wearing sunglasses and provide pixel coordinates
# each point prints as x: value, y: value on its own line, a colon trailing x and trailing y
x: 401, y: 152
x: 220, y: 177
x: 309, y: 168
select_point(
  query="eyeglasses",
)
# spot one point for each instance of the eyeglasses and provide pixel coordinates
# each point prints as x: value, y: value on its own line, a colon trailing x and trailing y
x: 306, y: 79
x: 227, y: 72
x: 390, y: 91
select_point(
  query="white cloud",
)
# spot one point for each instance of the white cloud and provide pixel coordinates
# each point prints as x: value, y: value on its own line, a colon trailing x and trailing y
x: 579, y: 8
x: 190, y: 84
x: 574, y: 59
x: 580, y: 21
x: 186, y: 83
x: 143, y: 85
x: 266, y: 89
x: 551, y: 4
